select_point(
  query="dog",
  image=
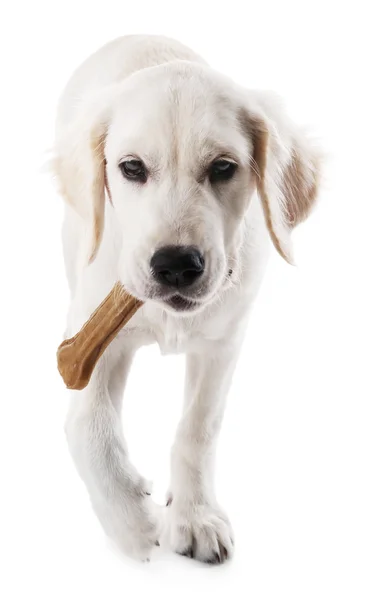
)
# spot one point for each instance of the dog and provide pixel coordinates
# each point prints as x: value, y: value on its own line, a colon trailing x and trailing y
x: 176, y: 181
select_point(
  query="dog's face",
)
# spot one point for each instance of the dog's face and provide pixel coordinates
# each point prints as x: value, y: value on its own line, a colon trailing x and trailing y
x: 179, y: 174
x: 181, y: 150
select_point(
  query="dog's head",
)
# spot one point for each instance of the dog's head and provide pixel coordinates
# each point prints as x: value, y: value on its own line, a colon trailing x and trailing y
x: 180, y: 151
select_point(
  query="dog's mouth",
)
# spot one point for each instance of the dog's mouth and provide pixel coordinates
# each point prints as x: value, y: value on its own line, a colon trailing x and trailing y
x: 179, y: 301
x: 181, y: 304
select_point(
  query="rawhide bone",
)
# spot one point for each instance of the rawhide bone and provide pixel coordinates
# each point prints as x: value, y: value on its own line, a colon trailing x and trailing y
x: 78, y: 355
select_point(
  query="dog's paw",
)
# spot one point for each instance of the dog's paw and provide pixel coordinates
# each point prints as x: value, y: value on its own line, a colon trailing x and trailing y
x: 133, y: 521
x: 200, y: 531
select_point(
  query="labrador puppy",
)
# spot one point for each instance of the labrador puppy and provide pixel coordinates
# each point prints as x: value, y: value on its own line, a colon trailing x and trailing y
x: 176, y: 181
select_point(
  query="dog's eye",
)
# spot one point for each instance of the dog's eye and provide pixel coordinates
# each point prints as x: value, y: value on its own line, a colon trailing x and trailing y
x: 134, y: 169
x: 222, y: 170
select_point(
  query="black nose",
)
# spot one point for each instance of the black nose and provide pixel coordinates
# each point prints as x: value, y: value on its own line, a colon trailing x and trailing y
x: 177, y: 266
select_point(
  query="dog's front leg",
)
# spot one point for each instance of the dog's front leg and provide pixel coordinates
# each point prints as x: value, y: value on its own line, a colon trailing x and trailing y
x: 198, y: 526
x: 118, y: 493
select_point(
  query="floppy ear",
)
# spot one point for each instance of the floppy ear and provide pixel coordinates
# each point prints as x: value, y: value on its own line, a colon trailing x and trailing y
x: 287, y: 170
x: 79, y: 166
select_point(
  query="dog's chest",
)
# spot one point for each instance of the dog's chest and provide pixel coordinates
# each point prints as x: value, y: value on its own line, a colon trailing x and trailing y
x: 173, y: 336
x: 178, y: 335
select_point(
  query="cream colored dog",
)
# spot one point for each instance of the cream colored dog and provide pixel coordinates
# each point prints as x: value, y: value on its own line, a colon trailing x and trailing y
x: 175, y: 179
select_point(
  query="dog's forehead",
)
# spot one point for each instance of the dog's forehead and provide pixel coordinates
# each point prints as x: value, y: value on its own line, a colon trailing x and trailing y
x: 181, y: 111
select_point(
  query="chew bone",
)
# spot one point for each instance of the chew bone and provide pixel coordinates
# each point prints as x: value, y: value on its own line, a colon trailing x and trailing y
x: 78, y: 355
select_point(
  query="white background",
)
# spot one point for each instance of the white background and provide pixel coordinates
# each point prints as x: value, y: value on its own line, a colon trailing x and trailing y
x: 302, y: 456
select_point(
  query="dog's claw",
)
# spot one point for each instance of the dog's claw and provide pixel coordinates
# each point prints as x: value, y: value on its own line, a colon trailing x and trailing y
x: 188, y: 552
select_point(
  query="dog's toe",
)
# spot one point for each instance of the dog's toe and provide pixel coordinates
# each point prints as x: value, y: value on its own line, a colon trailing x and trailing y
x: 202, y: 532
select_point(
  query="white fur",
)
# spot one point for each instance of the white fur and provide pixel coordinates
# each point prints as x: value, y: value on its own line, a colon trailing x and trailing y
x: 154, y: 98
